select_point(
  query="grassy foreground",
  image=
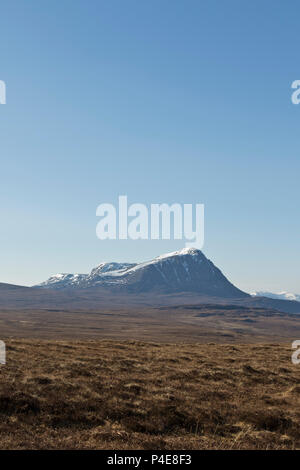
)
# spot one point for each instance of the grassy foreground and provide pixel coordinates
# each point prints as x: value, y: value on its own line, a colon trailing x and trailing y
x: 137, y: 395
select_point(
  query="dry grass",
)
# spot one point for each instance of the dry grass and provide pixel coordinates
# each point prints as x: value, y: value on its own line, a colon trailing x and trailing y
x: 200, y: 324
x: 137, y: 395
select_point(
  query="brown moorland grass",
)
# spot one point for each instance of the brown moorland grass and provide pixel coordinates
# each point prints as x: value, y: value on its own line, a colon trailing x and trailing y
x: 104, y: 394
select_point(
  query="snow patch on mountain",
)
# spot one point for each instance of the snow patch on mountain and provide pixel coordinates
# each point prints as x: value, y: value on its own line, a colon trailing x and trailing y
x: 280, y: 295
x: 183, y: 252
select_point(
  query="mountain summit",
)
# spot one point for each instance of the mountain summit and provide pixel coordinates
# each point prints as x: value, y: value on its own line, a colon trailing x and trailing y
x: 187, y: 270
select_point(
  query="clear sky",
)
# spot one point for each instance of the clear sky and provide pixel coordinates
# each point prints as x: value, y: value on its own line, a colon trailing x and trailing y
x: 161, y: 100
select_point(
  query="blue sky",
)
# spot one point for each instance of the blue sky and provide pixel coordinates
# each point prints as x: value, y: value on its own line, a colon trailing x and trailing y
x: 164, y: 101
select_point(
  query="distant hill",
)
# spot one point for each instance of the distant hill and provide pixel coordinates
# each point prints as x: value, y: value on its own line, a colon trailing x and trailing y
x: 9, y: 287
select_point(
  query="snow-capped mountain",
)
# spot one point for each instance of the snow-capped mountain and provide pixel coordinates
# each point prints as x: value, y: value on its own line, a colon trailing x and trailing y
x: 280, y: 295
x: 187, y: 270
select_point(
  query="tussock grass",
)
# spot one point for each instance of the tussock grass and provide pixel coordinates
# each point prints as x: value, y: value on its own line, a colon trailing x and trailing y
x: 137, y: 395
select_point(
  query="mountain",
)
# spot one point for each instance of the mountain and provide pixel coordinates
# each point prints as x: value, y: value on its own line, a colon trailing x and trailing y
x: 102, y: 272
x: 280, y: 295
x: 187, y: 270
